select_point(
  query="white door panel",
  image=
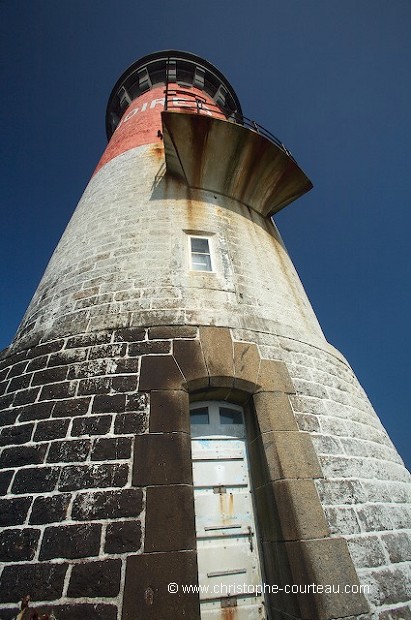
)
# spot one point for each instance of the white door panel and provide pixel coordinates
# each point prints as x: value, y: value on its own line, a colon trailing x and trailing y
x: 228, y: 562
x: 220, y: 510
x: 219, y: 473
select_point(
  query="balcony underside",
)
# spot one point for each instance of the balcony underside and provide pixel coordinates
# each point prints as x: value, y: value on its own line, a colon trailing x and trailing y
x: 224, y: 157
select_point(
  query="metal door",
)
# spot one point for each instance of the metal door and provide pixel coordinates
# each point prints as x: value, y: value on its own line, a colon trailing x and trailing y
x: 228, y: 562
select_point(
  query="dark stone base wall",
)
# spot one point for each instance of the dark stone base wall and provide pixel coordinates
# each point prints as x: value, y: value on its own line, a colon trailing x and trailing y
x: 96, y: 503
x: 69, y: 513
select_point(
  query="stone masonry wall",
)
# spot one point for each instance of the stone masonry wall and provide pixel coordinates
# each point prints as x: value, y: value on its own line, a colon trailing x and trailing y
x: 366, y: 490
x: 69, y: 512
x: 123, y: 261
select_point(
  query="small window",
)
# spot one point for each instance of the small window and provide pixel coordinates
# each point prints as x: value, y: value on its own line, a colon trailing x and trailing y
x: 199, y: 416
x: 230, y: 416
x: 200, y: 254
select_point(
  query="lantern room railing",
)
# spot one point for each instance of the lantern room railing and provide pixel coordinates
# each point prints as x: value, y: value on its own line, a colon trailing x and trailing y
x: 180, y: 100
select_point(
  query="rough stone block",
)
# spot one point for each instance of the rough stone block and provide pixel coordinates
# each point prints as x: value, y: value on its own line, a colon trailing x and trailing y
x: 22, y: 455
x: 376, y: 517
x: 149, y: 348
x: 70, y: 408
x: 147, y: 577
x: 391, y: 585
x: 6, y: 401
x: 123, y: 536
x: 35, y: 480
x: 130, y: 423
x: 137, y: 402
x: 398, y: 546
x: 91, y: 425
x: 367, y: 551
x: 50, y: 509
x: 51, y: 375
x: 341, y: 491
x: 36, y: 411
x: 163, y: 332
x: 273, y: 376
x: 14, y: 511
x: 70, y: 541
x: 300, y: 511
x: 159, y: 372
x: 77, y: 477
x: 4, y: 374
x: 218, y: 352
x: 124, y: 383
x: 5, y: 479
x: 290, y: 454
x: 17, y: 369
x: 18, y: 545
x: 163, y: 458
x: 109, y: 403
x: 19, y: 383
x: 107, y: 504
x: 92, y: 368
x: 8, y: 417
x: 44, y: 580
x: 314, y: 561
x: 95, y: 579
x: 111, y: 449
x: 165, y: 505
x: 308, y: 422
x: 63, y: 358
x: 189, y: 357
x: 46, y: 348
x: 38, y: 363
x: 108, y: 351
x: 69, y: 451
x: 342, y: 520
x: 87, y: 340
x: 18, y: 434
x: 169, y: 411
x: 94, y: 385
x: 50, y: 430
x: 129, y: 334
x: 246, y: 365
x: 274, y: 412
x: 399, y: 613
x: 58, y: 391
x: 12, y: 359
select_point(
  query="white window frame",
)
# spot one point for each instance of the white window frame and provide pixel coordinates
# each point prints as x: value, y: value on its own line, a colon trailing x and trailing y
x: 210, y: 253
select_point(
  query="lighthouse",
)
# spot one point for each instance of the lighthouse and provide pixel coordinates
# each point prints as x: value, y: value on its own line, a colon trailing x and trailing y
x: 179, y: 439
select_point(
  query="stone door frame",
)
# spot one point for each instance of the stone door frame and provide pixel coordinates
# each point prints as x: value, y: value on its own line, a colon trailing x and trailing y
x: 298, y: 549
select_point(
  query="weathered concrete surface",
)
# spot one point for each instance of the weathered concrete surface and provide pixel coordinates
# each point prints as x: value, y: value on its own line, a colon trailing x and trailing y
x: 123, y: 261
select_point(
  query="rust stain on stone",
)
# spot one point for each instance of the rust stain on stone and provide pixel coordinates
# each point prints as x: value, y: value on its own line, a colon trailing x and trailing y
x: 229, y: 613
x: 157, y: 150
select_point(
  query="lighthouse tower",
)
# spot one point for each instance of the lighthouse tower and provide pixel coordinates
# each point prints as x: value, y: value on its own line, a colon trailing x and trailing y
x: 178, y: 438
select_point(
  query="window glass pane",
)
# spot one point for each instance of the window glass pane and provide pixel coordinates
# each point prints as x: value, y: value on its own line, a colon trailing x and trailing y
x: 199, y: 416
x: 201, y: 262
x: 230, y: 416
x: 199, y: 245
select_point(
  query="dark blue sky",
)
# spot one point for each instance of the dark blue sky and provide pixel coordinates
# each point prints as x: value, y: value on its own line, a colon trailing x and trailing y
x: 330, y: 79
